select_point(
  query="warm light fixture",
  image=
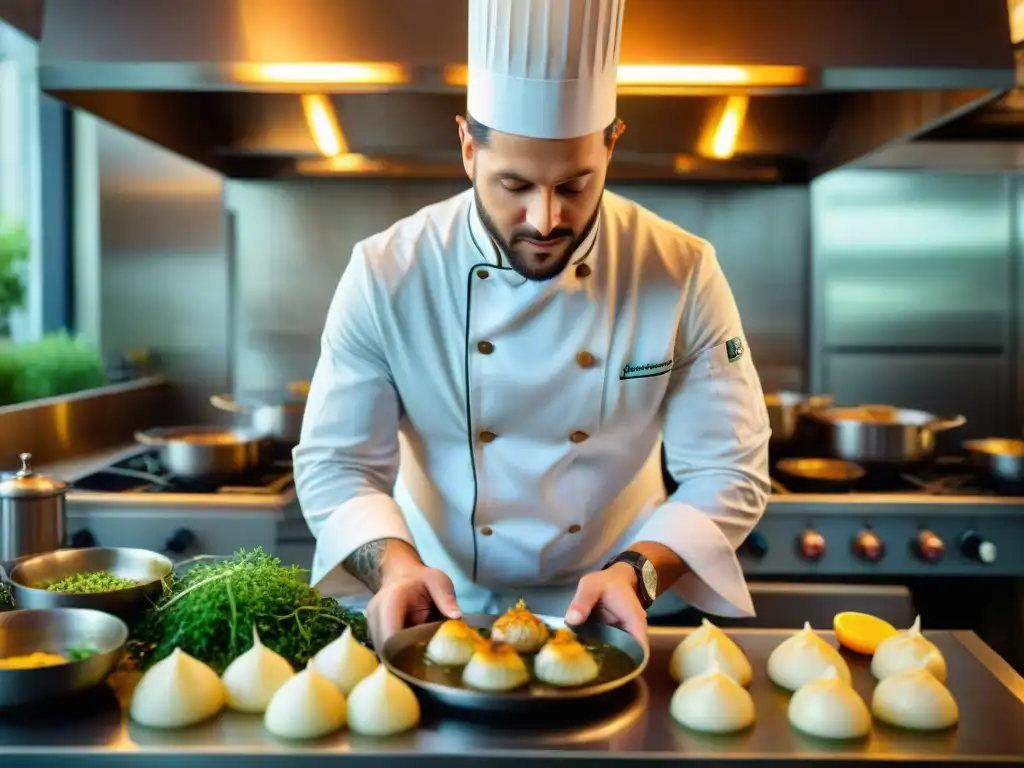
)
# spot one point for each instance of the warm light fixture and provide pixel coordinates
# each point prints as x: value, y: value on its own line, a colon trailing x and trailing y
x: 723, y: 128
x: 653, y: 76
x: 711, y: 75
x: 1016, y: 10
x: 323, y: 125
x: 688, y: 165
x: 326, y: 73
x: 348, y: 163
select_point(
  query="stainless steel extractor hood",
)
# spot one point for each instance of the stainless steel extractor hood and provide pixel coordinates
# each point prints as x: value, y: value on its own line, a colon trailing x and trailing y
x: 241, y: 86
x: 988, y: 138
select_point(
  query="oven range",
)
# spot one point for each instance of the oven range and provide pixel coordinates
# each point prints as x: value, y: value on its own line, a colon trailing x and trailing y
x: 135, y: 502
x: 943, y: 522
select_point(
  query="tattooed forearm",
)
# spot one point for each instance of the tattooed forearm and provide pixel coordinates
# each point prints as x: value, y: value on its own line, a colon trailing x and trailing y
x: 370, y: 562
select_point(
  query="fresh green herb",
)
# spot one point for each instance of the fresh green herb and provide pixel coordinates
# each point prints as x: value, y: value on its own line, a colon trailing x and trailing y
x: 90, y: 583
x: 6, y: 598
x: 79, y: 654
x: 209, y: 613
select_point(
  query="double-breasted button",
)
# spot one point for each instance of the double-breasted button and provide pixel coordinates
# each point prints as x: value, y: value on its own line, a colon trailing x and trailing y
x: 582, y: 270
x: 574, y: 529
x: 483, y: 274
x: 487, y: 437
x: 485, y: 531
x: 485, y: 347
x: 578, y: 436
x: 585, y: 359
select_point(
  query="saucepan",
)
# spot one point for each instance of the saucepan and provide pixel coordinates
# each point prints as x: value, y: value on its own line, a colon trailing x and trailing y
x: 879, y: 434
x: 276, y: 415
x: 192, y: 453
x: 999, y: 458
x: 817, y: 475
x: 785, y: 409
x: 92, y: 641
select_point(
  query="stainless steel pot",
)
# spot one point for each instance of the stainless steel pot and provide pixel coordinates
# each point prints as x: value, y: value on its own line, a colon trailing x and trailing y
x: 199, y: 452
x: 30, y: 577
x: 997, y: 457
x: 33, y: 519
x: 785, y: 409
x: 879, y: 434
x: 272, y: 414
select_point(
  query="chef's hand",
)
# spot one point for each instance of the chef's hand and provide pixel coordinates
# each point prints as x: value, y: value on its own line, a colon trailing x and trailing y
x: 610, y: 597
x: 409, y: 598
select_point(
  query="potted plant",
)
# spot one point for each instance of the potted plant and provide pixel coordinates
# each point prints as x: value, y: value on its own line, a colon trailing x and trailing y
x: 14, y: 250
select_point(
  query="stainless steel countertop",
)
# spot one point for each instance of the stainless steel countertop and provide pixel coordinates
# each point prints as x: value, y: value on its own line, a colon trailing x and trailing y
x: 95, y: 732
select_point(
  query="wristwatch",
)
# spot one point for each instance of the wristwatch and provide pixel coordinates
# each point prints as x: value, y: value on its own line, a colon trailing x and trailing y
x: 646, y: 575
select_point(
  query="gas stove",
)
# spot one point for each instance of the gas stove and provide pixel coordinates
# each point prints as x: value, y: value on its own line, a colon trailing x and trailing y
x: 940, y: 520
x: 947, y: 476
x: 136, y: 502
x: 143, y: 473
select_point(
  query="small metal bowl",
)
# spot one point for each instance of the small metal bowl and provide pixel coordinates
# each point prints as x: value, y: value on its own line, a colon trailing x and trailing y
x: 58, y: 631
x: 30, y: 577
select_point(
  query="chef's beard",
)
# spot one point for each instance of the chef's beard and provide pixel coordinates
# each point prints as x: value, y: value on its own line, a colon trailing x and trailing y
x: 553, y: 265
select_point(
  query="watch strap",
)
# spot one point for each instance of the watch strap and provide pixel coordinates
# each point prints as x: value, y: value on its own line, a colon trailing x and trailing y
x: 636, y: 561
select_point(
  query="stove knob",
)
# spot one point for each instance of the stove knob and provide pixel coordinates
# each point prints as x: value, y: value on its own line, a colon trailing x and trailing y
x: 811, y: 545
x: 755, y: 545
x: 868, y: 546
x: 977, y: 548
x: 929, y: 546
x: 180, y: 541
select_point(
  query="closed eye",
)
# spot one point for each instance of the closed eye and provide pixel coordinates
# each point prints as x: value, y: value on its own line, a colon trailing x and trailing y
x: 568, y: 189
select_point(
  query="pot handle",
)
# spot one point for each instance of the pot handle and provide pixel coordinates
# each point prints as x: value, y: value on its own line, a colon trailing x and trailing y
x: 943, y: 423
x: 227, y: 403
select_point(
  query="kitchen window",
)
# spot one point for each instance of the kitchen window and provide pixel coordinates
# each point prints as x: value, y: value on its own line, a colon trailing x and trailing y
x: 19, y: 188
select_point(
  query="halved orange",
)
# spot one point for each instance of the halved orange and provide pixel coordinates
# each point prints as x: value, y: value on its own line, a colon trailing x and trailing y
x: 861, y: 632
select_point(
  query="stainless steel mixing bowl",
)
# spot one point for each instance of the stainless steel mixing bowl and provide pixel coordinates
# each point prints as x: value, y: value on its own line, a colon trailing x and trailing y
x: 58, y: 631
x: 30, y: 576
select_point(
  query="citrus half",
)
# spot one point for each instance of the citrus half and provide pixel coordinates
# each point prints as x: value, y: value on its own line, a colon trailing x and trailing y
x: 861, y: 632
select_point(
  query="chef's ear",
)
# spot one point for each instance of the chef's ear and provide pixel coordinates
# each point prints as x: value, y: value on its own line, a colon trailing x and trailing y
x: 612, y: 134
x: 467, y: 145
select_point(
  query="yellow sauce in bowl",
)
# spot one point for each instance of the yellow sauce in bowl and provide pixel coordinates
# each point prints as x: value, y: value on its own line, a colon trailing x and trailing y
x: 32, y: 661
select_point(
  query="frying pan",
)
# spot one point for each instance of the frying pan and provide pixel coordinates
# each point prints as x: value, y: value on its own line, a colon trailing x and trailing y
x: 818, y: 475
x: 997, y: 457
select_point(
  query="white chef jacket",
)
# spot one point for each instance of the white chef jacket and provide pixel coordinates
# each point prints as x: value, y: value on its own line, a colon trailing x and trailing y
x: 510, y: 429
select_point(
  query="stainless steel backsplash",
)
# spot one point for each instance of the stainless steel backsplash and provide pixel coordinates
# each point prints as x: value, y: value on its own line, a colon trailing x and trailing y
x: 162, y: 272
x: 914, y: 296
x: 294, y: 239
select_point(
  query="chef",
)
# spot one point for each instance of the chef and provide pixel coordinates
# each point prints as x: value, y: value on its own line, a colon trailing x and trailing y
x: 499, y: 370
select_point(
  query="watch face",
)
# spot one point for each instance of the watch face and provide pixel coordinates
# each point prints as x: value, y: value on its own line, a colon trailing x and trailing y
x: 650, y: 579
